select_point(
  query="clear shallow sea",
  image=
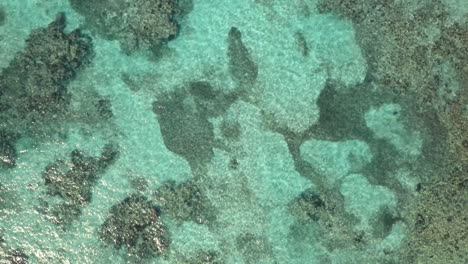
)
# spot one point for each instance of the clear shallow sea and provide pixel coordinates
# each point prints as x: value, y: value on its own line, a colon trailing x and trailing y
x: 261, y: 131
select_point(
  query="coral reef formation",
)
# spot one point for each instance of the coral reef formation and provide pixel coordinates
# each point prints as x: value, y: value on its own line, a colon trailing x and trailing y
x: 33, y: 90
x: 201, y: 257
x: 184, y: 202
x: 254, y: 248
x: 34, y: 84
x: 417, y: 51
x: 73, y: 182
x: 331, y: 131
x: 135, y: 24
x: 10, y: 255
x: 8, y: 153
x: 134, y: 224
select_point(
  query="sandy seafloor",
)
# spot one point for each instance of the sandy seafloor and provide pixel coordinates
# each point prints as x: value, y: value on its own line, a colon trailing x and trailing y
x: 253, y: 199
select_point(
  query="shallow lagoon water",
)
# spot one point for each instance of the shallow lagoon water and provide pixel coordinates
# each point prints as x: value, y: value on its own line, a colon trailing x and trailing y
x: 260, y: 131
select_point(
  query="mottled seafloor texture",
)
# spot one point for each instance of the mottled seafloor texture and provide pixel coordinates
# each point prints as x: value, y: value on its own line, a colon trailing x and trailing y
x: 231, y: 132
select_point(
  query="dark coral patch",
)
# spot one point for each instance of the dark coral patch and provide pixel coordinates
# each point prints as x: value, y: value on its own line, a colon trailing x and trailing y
x: 185, y: 131
x: 184, y: 202
x: 34, y: 82
x: 2, y: 16
x: 135, y: 24
x: 254, y: 248
x: 210, y: 102
x: 242, y: 67
x: 310, y: 206
x: 8, y: 153
x: 427, y: 71
x: 201, y: 257
x: 17, y: 256
x: 183, y: 116
x: 73, y: 182
x: 134, y: 224
x: 9, y: 255
x: 33, y: 90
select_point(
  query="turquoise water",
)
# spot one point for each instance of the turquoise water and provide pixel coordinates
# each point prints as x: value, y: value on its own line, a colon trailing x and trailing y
x: 248, y: 131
